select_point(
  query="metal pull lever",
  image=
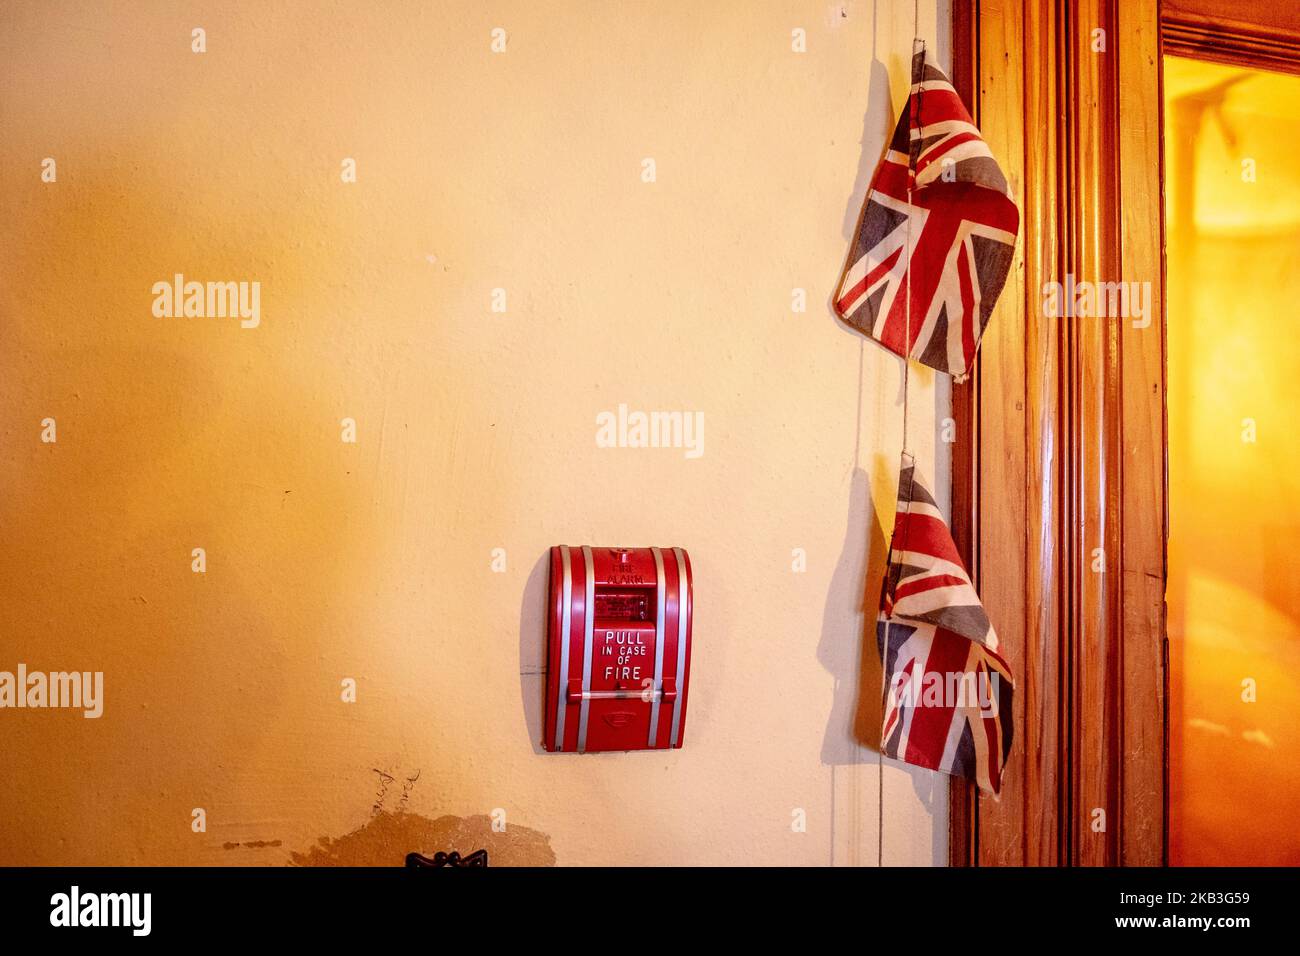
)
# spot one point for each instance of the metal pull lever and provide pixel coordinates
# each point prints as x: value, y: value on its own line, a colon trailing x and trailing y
x: 669, y: 692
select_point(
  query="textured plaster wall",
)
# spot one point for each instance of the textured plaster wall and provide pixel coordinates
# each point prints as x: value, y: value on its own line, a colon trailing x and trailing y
x: 328, y: 560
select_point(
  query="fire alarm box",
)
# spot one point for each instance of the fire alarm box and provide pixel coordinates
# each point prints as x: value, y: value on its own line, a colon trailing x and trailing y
x: 618, y: 649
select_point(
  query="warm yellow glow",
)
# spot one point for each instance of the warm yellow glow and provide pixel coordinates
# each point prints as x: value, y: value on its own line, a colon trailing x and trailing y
x: 1233, y: 217
x: 475, y: 428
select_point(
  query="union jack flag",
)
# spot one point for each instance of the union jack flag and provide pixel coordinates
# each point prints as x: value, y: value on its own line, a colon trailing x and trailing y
x: 937, y: 223
x: 947, y: 694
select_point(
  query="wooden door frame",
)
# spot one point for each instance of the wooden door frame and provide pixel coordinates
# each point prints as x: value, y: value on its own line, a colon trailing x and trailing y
x: 1261, y: 35
x: 1061, y: 434
x: 1059, y: 464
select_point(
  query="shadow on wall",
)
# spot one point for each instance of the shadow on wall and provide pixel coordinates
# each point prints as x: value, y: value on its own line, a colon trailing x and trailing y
x: 847, y: 648
x: 876, y: 131
x: 532, y: 649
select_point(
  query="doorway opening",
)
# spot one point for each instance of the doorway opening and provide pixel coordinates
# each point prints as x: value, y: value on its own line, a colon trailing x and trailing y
x: 1232, y: 208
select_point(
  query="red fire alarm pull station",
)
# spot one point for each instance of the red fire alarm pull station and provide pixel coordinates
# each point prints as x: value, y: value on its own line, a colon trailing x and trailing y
x: 618, y: 649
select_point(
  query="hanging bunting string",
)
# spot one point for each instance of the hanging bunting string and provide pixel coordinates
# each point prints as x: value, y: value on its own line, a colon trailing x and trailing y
x: 914, y: 90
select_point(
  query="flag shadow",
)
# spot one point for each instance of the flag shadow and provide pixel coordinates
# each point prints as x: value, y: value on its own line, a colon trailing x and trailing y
x: 847, y: 648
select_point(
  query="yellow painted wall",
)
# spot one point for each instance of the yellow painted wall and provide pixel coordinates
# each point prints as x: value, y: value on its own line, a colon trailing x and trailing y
x: 475, y: 430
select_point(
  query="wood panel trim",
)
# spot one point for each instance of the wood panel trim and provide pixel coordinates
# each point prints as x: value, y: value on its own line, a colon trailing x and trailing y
x: 1240, y: 32
x: 961, y: 794
x: 1061, y: 435
x: 1144, y: 530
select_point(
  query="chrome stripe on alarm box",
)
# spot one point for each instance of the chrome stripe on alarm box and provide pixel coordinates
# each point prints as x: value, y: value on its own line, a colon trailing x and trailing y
x: 566, y: 615
x: 683, y: 615
x: 589, y: 616
x: 659, y: 650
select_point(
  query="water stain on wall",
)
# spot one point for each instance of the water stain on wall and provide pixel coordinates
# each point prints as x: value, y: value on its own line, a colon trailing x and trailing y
x: 388, y: 837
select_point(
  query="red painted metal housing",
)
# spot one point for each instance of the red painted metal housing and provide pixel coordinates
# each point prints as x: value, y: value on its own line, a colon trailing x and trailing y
x: 618, y: 649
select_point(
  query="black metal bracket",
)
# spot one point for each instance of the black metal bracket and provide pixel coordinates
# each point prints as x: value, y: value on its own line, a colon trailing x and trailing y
x: 419, y: 861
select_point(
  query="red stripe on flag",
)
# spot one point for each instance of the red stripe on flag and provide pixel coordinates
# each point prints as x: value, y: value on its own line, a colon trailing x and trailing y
x: 978, y: 204
x: 968, y: 317
x: 892, y: 179
x: 928, y: 584
x: 923, y: 272
x: 928, y: 731
x: 939, y: 150
x: 993, y: 734
x: 940, y: 106
x: 894, y: 714
x: 850, y: 298
x: 925, y: 535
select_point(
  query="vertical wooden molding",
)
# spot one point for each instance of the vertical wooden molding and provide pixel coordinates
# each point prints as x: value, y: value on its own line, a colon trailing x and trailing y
x: 1092, y: 433
x: 962, y: 831
x: 1058, y: 494
x: 1043, y: 207
x: 1144, y: 530
x: 1002, y: 505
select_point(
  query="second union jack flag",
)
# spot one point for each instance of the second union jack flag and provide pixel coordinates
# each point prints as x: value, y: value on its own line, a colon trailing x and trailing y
x: 937, y: 223
x: 947, y: 693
